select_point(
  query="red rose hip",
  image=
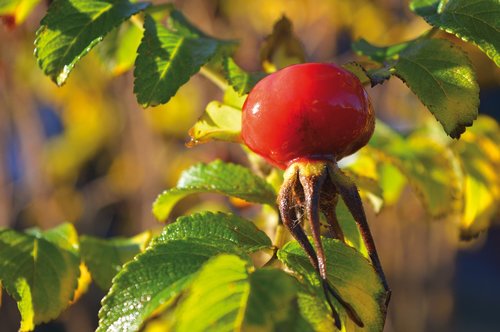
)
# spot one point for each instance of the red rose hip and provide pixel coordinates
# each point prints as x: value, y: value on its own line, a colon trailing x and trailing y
x: 313, y: 110
x: 304, y: 118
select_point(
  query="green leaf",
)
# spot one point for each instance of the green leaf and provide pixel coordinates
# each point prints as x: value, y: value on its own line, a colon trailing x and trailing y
x: 40, y: 271
x: 226, y: 297
x: 14, y: 12
x: 167, y: 58
x: 271, y: 300
x: 439, y: 73
x: 215, y: 177
x: 105, y: 257
x: 158, y: 275
x: 353, y: 277
x: 476, y: 21
x: 351, y: 231
x: 240, y: 80
x: 118, y: 50
x: 72, y: 27
x: 219, y: 122
x: 216, y: 300
x: 230, y: 229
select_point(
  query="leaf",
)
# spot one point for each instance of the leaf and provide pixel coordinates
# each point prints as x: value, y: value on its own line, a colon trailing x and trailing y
x: 225, y: 296
x: 216, y: 177
x: 271, y: 300
x: 216, y: 300
x: 118, y: 50
x: 282, y: 47
x: 40, y: 271
x: 240, y: 80
x: 167, y: 58
x: 351, y: 231
x: 72, y: 27
x: 353, y: 277
x: 431, y: 168
x: 230, y: 228
x: 219, y: 122
x: 166, y: 268
x: 105, y: 257
x: 439, y: 73
x: 476, y: 21
x: 481, y: 160
x: 14, y: 12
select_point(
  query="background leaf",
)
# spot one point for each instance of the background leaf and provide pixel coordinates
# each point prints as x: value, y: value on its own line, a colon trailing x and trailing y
x: 14, y: 12
x: 167, y: 267
x: 476, y: 21
x: 351, y: 274
x: 240, y: 80
x: 40, y: 271
x: 167, y: 58
x: 105, y: 257
x: 72, y: 27
x: 219, y: 122
x: 215, y: 177
x: 439, y: 73
x: 118, y: 49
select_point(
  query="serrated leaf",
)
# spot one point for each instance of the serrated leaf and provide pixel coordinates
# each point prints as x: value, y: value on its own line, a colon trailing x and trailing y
x: 105, y: 257
x: 219, y: 122
x: 14, y: 12
x: 40, y: 271
x: 439, y: 73
x: 165, y: 269
x: 353, y: 277
x: 72, y: 27
x: 216, y: 177
x: 118, y: 49
x: 167, y: 58
x: 230, y: 229
x: 225, y: 296
x: 241, y: 81
x: 476, y: 21
x: 432, y: 170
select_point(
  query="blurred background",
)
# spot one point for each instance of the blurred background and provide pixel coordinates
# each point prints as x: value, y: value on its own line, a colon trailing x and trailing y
x: 88, y: 154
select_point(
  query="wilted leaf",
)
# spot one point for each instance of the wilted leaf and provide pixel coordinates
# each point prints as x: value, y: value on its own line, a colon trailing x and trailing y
x: 282, y: 47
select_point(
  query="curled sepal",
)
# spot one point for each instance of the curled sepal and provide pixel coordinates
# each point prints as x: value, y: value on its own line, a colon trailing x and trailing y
x: 310, y: 190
